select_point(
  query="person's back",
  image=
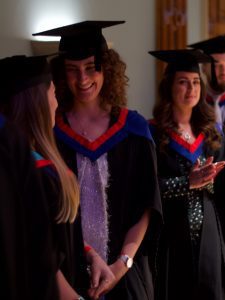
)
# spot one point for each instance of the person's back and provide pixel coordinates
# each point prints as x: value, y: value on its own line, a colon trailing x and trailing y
x: 28, y: 100
x: 26, y: 267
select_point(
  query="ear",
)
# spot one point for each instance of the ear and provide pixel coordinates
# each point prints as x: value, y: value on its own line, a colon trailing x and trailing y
x: 206, y: 68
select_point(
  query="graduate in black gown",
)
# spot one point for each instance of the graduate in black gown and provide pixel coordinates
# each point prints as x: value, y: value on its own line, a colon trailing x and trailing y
x: 30, y: 103
x: 214, y: 74
x: 111, y: 150
x: 190, y: 152
x: 26, y: 263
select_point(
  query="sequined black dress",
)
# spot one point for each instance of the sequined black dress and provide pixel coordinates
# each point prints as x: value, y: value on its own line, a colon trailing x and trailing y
x: 190, y: 257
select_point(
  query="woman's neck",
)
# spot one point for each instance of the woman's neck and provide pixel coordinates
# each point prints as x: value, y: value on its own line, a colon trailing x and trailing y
x: 182, y: 117
x: 183, y: 121
x: 90, y: 121
x: 88, y: 110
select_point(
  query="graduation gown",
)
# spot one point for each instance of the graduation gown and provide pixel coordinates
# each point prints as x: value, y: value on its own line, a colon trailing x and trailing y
x: 218, y: 102
x: 26, y: 264
x: 62, y: 233
x: 190, y: 260
x: 132, y: 188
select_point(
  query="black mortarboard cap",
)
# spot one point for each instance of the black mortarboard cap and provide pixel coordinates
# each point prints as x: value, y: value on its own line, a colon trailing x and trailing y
x: 182, y: 60
x: 210, y: 46
x: 81, y: 40
x: 18, y: 73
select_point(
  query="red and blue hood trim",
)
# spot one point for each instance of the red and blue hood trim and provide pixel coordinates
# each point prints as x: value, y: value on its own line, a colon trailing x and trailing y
x: 46, y: 164
x: 189, y: 151
x: 179, y: 145
x: 129, y: 122
x: 210, y: 100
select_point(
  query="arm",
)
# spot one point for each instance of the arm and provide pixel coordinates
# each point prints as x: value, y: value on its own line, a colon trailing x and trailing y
x: 200, y: 177
x: 130, y: 246
x: 132, y: 242
x: 66, y: 292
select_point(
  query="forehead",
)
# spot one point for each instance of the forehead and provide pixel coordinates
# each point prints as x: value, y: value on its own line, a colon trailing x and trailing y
x: 219, y: 56
x: 188, y: 75
x: 89, y: 60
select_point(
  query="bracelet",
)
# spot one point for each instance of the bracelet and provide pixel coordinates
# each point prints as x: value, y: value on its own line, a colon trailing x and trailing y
x: 87, y: 248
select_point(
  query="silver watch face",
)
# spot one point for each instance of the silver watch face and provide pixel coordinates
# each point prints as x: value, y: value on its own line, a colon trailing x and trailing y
x: 129, y: 262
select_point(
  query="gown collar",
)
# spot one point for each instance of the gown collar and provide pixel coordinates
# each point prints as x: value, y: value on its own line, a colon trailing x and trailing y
x: 178, y: 144
x: 189, y: 151
x: 127, y: 122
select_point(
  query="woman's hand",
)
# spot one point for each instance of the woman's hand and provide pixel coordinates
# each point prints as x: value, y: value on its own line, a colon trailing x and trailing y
x: 200, y: 176
x: 119, y: 270
x: 100, y: 274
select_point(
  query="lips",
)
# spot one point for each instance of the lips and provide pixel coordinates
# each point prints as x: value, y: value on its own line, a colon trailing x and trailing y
x: 190, y: 97
x: 85, y: 88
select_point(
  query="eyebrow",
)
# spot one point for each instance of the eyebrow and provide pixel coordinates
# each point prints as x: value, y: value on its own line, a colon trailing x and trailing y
x: 183, y: 77
x: 67, y: 64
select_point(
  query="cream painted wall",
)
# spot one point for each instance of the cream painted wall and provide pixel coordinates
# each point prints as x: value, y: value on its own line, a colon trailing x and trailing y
x: 20, y: 18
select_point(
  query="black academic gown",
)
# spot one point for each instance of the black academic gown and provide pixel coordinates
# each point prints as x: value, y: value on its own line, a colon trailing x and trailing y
x: 132, y: 188
x: 26, y: 264
x: 63, y: 248
x: 186, y: 269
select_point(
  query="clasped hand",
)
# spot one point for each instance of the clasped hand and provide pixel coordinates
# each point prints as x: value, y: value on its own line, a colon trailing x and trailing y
x: 104, y: 277
x: 202, y: 175
x: 101, y: 276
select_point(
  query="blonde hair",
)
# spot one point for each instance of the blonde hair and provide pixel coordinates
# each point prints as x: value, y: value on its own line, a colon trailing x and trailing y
x: 30, y: 110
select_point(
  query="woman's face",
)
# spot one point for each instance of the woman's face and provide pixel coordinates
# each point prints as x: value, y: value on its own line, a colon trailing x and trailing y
x: 83, y: 80
x: 186, y: 90
x: 53, y: 104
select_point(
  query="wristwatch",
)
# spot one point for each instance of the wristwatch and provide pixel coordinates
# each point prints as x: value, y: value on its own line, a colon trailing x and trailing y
x: 79, y: 298
x: 127, y: 260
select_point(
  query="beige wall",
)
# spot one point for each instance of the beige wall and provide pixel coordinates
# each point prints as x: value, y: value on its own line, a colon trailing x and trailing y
x: 20, y: 18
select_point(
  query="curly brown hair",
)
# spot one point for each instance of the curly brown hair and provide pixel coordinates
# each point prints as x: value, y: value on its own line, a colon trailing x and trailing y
x: 113, y: 91
x: 202, y: 119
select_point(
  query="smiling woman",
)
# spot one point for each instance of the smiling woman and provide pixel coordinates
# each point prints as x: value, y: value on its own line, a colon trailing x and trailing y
x: 111, y: 150
x: 190, y: 152
x: 186, y: 90
x: 83, y: 80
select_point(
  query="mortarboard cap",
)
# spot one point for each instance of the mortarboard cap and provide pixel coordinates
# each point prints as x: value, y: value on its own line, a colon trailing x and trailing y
x: 18, y: 73
x: 82, y: 40
x: 214, y: 45
x: 210, y: 46
x: 182, y: 60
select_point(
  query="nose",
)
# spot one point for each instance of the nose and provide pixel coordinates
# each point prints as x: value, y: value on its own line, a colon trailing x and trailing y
x: 190, y: 85
x: 82, y: 76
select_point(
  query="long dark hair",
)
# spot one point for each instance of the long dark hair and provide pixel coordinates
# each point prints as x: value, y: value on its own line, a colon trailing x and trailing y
x: 202, y: 118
